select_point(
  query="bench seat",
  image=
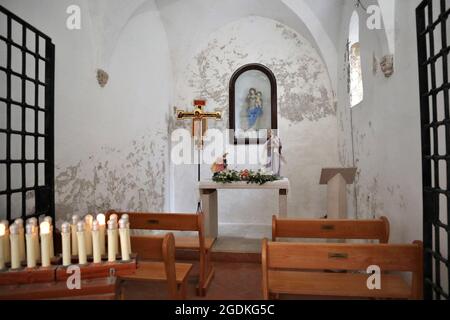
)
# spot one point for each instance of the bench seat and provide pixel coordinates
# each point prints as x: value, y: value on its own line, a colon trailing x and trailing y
x: 156, y: 271
x: 349, y: 285
x: 192, y: 243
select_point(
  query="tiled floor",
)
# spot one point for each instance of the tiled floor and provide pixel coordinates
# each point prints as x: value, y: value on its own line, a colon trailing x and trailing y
x: 237, y: 273
x: 234, y: 244
x: 232, y: 281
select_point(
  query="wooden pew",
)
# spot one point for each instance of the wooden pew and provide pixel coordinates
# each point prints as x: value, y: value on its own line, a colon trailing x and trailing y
x: 159, y: 264
x: 331, y: 229
x: 179, y: 222
x: 291, y: 268
x: 92, y: 289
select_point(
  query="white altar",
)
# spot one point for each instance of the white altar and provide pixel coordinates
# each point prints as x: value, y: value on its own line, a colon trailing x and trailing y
x: 208, y: 191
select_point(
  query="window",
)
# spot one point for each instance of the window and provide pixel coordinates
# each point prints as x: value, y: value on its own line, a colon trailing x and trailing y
x: 355, y: 69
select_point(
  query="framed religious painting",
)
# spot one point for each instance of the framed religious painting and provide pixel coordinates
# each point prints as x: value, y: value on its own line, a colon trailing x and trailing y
x: 253, y: 104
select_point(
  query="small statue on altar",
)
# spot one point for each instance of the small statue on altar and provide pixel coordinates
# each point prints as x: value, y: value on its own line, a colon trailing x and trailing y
x: 220, y: 164
x: 274, y: 153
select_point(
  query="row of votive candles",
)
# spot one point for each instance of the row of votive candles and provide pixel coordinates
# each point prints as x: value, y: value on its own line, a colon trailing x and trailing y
x: 80, y: 239
x: 19, y: 243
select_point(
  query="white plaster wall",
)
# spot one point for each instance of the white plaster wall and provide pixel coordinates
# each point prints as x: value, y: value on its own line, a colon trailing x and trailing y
x: 307, y: 121
x: 386, y: 127
x: 111, y: 144
x: 189, y: 22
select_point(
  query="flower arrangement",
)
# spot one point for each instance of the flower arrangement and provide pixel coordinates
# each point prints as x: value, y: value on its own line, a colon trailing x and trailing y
x: 249, y: 176
x: 221, y: 174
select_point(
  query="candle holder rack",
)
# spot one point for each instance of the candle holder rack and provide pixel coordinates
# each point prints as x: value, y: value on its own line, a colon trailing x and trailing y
x: 57, y: 272
x: 100, y: 270
x: 27, y: 276
x: 90, y: 259
x: 55, y: 261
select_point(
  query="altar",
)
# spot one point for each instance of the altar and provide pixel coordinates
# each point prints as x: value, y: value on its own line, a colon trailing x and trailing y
x: 209, y: 189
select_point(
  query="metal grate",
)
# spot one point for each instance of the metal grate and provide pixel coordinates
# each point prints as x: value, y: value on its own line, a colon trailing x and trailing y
x: 432, y: 19
x: 27, y: 60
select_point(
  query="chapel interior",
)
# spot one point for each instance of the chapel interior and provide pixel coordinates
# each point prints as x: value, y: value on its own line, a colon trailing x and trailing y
x: 131, y: 133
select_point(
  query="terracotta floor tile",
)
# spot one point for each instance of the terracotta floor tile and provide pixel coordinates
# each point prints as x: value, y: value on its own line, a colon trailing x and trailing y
x: 232, y: 281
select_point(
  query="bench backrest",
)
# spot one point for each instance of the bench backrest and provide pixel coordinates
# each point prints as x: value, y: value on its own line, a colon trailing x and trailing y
x: 165, y: 222
x: 159, y: 248
x: 331, y: 229
x: 345, y: 257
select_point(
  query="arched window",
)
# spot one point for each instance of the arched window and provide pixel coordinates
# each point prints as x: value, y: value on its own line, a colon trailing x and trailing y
x: 354, y: 49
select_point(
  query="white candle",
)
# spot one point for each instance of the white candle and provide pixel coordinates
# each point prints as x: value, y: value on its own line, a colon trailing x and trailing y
x: 6, y: 244
x: 75, y: 220
x: 81, y: 236
x: 124, y: 240
x: 2, y: 246
x: 31, y: 255
x: 19, y: 223
x: 35, y: 237
x: 66, y: 252
x: 45, y: 244
x: 112, y: 228
x: 96, y: 242
x: 15, y: 247
x: 115, y: 218
x: 88, y: 230
x: 102, y: 228
x: 126, y: 217
x: 50, y: 243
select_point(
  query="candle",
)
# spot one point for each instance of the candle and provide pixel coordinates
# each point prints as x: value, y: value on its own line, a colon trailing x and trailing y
x: 75, y: 220
x: 65, y: 238
x: 124, y: 240
x: 50, y: 242
x: 112, y: 229
x: 126, y: 217
x: 31, y: 255
x: 19, y: 223
x: 45, y: 244
x: 35, y: 237
x: 88, y: 230
x: 6, y: 244
x: 115, y: 218
x: 15, y: 247
x: 81, y: 238
x: 101, y: 222
x: 96, y: 242
x: 2, y: 246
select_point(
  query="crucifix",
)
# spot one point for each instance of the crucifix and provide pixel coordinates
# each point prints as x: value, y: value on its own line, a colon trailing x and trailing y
x: 199, y: 119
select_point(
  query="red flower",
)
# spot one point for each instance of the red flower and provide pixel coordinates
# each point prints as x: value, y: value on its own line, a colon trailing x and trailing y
x: 245, y: 174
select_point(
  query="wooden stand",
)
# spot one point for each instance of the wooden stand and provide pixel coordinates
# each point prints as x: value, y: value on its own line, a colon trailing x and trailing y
x: 59, y: 273
x: 27, y: 276
x: 337, y: 180
x: 100, y: 270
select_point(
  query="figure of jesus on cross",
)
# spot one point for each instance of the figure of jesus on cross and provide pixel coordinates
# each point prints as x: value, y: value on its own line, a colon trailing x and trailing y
x: 199, y: 119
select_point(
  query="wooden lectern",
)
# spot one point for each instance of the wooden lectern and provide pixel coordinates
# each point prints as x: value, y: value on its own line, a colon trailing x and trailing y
x: 337, y: 180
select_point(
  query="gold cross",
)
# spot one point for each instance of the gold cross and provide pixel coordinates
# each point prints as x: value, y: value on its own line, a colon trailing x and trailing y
x: 199, y: 120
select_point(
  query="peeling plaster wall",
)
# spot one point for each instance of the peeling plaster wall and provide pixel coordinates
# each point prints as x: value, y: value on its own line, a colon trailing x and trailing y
x: 111, y: 144
x: 381, y: 136
x: 307, y: 120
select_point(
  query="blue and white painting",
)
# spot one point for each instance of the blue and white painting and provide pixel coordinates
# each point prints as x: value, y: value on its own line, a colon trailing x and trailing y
x: 253, y: 98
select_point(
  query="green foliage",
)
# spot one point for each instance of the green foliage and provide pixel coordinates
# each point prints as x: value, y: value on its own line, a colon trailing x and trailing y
x: 249, y: 176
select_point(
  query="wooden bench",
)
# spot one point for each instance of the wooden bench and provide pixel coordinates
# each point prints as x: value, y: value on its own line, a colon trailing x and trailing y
x: 93, y: 289
x: 179, y: 222
x: 377, y: 229
x: 281, y: 263
x: 159, y: 264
